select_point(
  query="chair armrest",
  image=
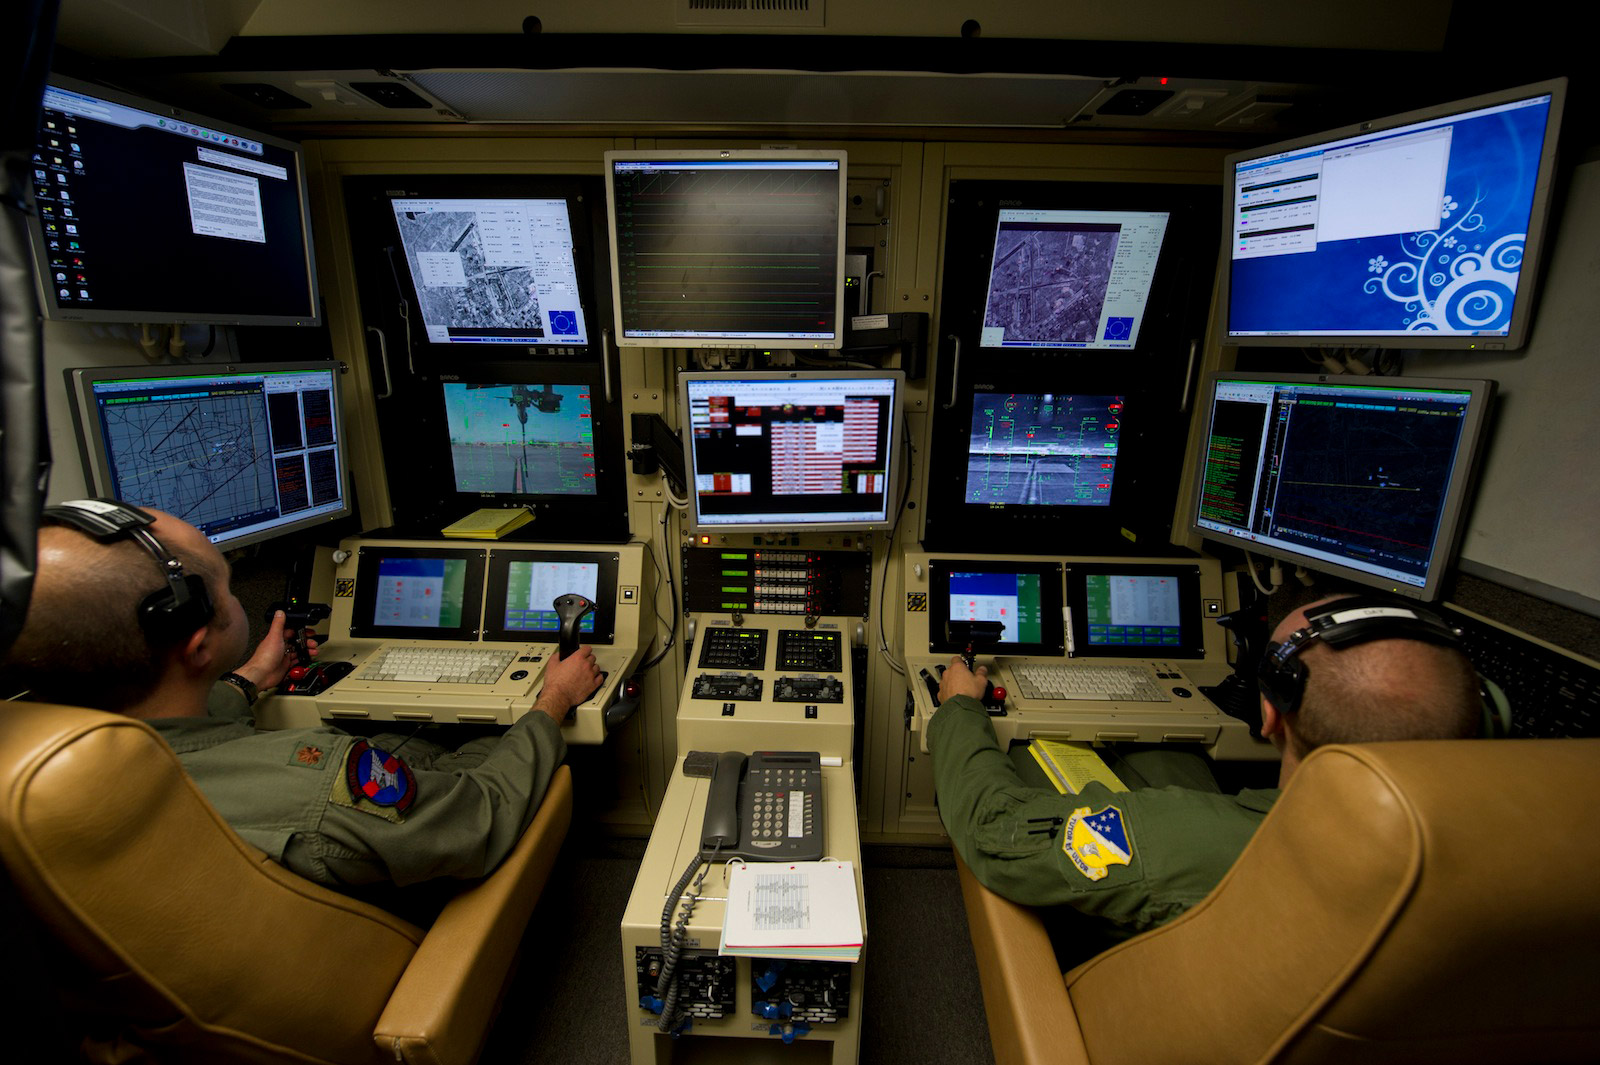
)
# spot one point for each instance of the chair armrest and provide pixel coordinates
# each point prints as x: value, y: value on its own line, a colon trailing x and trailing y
x: 1031, y: 1019
x: 441, y: 1010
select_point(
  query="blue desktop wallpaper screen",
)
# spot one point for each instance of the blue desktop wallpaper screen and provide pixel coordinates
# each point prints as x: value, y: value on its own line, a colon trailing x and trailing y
x: 1459, y: 277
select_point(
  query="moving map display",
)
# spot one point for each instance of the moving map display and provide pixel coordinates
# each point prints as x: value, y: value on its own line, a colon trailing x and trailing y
x: 1043, y: 449
x: 1071, y: 279
x: 492, y: 271
x: 240, y: 453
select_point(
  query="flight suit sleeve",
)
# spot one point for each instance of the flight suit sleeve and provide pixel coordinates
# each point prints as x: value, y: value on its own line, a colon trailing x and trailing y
x: 1137, y: 858
x: 464, y: 817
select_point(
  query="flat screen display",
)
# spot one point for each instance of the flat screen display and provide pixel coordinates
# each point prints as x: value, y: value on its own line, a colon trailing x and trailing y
x: 792, y: 450
x: 1422, y: 230
x: 1024, y: 597
x: 1365, y: 477
x: 421, y: 593
x: 1071, y: 278
x: 524, y: 585
x: 492, y: 270
x: 243, y: 453
x: 1043, y: 449
x: 521, y: 439
x: 1134, y: 610
x: 728, y: 249
x: 150, y: 214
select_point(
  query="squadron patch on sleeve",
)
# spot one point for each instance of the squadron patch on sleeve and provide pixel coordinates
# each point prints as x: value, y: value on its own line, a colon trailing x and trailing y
x: 1096, y: 841
x: 375, y: 782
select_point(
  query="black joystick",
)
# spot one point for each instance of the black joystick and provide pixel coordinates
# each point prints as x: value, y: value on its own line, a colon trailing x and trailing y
x: 570, y: 608
x: 298, y: 617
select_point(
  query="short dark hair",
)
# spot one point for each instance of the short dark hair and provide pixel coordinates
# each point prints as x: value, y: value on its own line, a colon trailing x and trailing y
x: 81, y: 642
x: 1395, y: 689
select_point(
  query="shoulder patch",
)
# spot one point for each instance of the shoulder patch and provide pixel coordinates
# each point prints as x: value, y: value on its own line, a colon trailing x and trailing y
x: 375, y: 782
x: 1097, y: 840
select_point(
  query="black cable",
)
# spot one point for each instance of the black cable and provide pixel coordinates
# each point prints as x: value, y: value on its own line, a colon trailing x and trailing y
x: 672, y: 940
x: 672, y: 591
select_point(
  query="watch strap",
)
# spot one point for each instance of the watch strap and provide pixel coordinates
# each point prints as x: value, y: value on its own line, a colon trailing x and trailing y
x: 251, y: 692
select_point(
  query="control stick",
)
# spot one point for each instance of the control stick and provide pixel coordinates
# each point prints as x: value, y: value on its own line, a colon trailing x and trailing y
x: 570, y: 608
x: 976, y: 636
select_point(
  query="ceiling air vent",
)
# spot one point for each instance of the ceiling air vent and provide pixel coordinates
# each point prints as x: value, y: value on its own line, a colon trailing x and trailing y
x: 750, y: 14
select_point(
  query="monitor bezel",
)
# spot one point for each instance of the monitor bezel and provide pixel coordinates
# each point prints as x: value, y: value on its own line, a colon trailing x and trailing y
x: 605, y: 602
x: 1453, y: 511
x: 1534, y: 248
x: 705, y: 155
x: 369, y: 557
x: 97, y: 464
x: 1192, y: 642
x: 1051, y: 615
x: 894, y: 461
x: 55, y: 313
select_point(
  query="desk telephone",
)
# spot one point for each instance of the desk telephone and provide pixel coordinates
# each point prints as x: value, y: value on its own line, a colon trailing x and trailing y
x: 767, y: 808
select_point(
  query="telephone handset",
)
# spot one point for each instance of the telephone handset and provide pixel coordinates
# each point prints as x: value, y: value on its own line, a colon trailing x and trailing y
x: 766, y: 809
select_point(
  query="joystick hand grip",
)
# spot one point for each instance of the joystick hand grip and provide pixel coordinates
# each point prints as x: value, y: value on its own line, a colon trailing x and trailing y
x: 570, y: 608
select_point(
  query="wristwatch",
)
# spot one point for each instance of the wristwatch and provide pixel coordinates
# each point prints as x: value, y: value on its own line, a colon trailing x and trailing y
x: 251, y: 692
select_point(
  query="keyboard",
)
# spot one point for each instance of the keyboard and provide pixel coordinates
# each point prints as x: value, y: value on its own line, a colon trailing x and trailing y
x: 437, y: 665
x: 1553, y: 695
x: 1099, y: 683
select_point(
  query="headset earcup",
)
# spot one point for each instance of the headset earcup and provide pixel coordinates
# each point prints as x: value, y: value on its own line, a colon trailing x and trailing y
x: 165, y: 621
x: 1282, y: 684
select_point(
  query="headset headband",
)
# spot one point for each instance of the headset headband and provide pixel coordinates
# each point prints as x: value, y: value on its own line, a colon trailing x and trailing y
x: 1343, y: 623
x: 174, y: 611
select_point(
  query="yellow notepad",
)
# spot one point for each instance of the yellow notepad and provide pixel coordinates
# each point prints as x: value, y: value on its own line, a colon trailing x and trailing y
x: 1071, y: 766
x: 491, y: 523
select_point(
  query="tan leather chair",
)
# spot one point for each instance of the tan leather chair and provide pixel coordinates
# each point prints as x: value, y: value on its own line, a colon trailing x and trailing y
x: 180, y: 939
x: 1403, y: 902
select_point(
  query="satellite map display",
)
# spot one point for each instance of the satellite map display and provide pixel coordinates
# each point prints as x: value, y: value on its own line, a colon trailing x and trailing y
x: 457, y: 287
x: 1049, y: 280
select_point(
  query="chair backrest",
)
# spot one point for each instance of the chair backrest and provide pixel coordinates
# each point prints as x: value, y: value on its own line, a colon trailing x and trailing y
x: 1403, y: 902
x: 170, y: 922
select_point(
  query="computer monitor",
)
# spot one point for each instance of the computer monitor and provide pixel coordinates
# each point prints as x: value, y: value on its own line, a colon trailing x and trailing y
x: 1363, y: 477
x: 493, y: 269
x: 418, y: 593
x: 524, y: 585
x: 150, y: 214
x: 243, y: 452
x: 1062, y: 278
x: 792, y: 450
x: 1042, y: 449
x: 728, y: 249
x: 521, y: 434
x: 519, y: 439
x: 1023, y: 595
x: 1423, y: 230
x: 1130, y: 609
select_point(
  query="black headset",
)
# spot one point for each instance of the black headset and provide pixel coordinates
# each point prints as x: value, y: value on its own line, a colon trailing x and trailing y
x: 167, y: 615
x: 1359, y: 619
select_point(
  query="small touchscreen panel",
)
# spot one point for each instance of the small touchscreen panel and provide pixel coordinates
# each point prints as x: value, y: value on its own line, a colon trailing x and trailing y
x: 524, y: 585
x: 1134, y: 611
x: 1024, y: 597
x: 418, y: 593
